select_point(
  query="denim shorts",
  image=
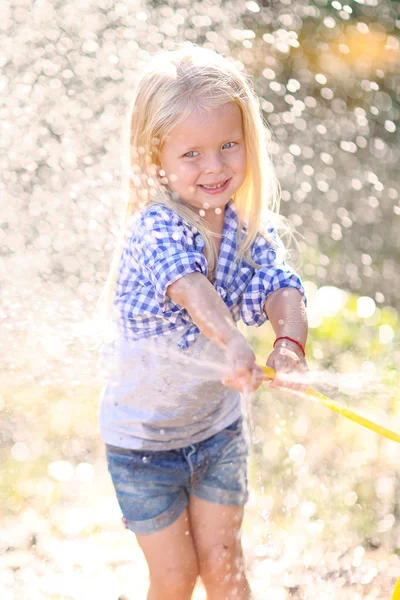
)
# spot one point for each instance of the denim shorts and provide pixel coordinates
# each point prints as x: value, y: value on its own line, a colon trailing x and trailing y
x: 153, y: 486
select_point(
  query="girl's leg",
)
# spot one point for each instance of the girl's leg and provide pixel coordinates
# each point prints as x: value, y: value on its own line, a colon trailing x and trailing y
x: 216, y: 535
x: 172, y: 561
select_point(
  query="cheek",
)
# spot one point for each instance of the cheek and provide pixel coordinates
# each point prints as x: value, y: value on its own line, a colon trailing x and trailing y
x: 175, y: 171
x: 186, y: 172
x: 243, y: 159
x: 239, y: 162
x: 240, y: 168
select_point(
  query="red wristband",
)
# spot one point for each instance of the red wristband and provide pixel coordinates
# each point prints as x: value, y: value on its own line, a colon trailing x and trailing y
x: 286, y: 337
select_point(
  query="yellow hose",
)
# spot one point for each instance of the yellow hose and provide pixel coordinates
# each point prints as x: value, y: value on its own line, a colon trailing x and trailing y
x: 396, y: 593
x: 349, y: 414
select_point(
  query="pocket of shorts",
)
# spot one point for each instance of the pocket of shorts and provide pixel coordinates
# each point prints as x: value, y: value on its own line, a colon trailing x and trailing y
x: 234, y: 429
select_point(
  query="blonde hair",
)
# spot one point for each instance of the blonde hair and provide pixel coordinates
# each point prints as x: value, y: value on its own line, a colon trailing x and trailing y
x: 171, y: 85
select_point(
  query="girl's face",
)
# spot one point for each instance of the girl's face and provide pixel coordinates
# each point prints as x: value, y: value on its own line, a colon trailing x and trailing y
x: 204, y: 158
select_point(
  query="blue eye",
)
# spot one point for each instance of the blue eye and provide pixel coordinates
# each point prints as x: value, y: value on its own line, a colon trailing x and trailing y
x: 193, y: 153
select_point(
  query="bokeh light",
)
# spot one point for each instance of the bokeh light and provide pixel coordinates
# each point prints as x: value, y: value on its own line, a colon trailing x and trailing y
x: 324, y: 494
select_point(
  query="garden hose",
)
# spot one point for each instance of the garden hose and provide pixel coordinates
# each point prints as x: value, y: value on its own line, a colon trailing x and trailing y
x: 396, y: 593
x: 349, y: 414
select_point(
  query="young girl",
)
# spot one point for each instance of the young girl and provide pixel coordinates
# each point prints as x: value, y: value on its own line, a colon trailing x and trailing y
x: 199, y: 252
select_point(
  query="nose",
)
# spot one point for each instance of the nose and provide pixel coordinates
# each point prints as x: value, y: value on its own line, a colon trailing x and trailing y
x: 215, y: 164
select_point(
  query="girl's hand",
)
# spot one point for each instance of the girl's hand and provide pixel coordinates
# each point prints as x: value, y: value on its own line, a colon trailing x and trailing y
x: 244, y: 374
x: 290, y: 366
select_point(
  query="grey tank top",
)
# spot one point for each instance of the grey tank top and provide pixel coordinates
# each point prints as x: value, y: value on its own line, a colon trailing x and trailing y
x: 159, y: 397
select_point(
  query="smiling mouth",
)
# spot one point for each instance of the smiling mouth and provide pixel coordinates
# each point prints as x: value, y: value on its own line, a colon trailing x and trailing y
x: 215, y: 186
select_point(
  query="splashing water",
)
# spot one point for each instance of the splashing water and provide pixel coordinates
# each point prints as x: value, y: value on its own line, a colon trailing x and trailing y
x: 327, y: 75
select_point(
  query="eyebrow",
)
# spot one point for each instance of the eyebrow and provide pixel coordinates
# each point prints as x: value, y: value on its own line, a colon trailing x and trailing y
x: 236, y: 135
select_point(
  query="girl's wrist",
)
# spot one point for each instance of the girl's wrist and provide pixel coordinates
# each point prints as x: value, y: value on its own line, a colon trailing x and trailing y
x: 234, y: 337
x: 290, y: 343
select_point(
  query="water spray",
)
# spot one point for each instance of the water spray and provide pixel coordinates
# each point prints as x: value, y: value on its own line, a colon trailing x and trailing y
x: 353, y: 416
x: 345, y: 412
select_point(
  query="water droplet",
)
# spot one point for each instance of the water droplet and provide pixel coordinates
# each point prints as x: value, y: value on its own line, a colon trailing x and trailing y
x: 350, y: 498
x: 297, y: 453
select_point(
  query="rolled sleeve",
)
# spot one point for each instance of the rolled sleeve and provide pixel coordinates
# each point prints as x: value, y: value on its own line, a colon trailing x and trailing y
x: 264, y: 282
x: 168, y: 254
x: 273, y: 274
x: 167, y: 266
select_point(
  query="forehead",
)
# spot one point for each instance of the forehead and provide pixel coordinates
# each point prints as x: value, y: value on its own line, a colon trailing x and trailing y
x: 222, y: 122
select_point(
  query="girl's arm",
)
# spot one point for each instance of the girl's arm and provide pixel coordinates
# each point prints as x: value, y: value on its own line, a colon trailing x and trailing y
x: 287, y: 313
x: 211, y: 315
x: 205, y: 306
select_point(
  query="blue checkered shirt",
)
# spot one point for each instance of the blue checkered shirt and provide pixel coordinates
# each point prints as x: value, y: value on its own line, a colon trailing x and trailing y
x: 163, y: 247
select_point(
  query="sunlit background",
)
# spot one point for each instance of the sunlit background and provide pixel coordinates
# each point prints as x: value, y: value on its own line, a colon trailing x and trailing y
x: 322, y: 521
